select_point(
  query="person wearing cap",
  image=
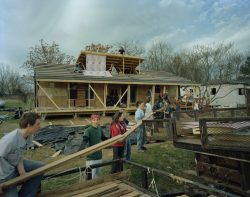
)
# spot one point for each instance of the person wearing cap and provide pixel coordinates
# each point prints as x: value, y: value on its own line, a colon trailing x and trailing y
x: 92, y: 136
x: 12, y: 163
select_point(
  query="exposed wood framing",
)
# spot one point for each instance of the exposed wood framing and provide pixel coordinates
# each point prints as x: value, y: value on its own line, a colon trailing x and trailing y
x: 89, y: 95
x: 120, y: 98
x: 116, y: 82
x: 48, y: 95
x: 69, y: 94
x: 97, y: 96
x: 128, y: 96
x: 139, y: 66
x: 153, y: 95
x: 105, y: 94
x: 123, y: 66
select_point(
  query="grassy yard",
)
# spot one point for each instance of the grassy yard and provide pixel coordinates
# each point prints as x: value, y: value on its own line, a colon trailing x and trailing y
x: 163, y: 156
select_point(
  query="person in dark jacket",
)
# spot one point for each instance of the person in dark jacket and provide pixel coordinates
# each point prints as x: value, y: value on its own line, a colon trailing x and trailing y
x: 92, y: 136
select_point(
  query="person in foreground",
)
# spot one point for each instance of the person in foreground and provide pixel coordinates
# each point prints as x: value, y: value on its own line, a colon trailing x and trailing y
x: 12, y: 163
x: 118, y: 127
x: 92, y: 136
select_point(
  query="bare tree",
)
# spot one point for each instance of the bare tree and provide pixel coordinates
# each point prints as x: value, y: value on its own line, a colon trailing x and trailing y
x: 131, y: 47
x: 46, y: 53
x: 159, y: 56
x: 11, y: 82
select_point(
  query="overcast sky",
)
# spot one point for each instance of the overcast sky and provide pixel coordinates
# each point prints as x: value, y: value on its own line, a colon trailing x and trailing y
x: 74, y: 23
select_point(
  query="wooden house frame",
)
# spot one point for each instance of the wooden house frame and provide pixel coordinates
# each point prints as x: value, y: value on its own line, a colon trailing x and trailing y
x: 59, y: 90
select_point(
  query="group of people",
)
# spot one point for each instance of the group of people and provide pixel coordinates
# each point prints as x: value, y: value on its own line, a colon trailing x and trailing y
x: 13, y: 144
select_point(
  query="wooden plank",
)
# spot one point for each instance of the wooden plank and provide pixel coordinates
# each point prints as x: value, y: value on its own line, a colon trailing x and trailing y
x: 128, y: 96
x: 132, y: 194
x: 153, y: 95
x: 56, y: 153
x: 105, y: 93
x: 100, y: 191
x: 114, y: 82
x: 120, y: 98
x: 86, y: 184
x: 118, y: 193
x: 37, y: 143
x: 48, y: 96
x: 84, y: 190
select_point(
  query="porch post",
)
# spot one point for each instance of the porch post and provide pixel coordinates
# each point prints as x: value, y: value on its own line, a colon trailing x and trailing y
x: 128, y: 96
x: 153, y: 95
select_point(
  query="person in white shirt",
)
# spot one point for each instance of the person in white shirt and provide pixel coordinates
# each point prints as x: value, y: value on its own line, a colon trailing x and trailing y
x: 148, y: 107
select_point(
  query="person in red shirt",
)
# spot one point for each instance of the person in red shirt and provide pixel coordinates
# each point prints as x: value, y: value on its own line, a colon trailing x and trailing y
x: 118, y: 127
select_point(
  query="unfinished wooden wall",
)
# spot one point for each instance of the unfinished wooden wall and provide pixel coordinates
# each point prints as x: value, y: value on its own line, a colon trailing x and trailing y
x: 81, y: 100
x: 99, y: 89
x: 58, y: 92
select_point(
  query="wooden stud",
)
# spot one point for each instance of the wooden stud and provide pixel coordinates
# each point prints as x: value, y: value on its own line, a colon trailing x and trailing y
x: 120, y: 98
x: 69, y: 94
x: 105, y: 92
x: 164, y: 89
x: 48, y: 96
x: 89, y: 95
x: 128, y: 96
x: 153, y: 95
x: 123, y: 64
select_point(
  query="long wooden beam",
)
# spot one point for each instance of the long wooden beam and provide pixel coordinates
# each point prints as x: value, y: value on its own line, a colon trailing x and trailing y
x: 48, y: 96
x: 120, y: 98
x: 97, y: 96
x: 68, y: 158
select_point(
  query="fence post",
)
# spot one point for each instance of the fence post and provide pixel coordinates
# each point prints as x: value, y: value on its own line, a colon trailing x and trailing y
x: 215, y: 113
x: 232, y: 113
x: 88, y: 173
x: 144, y: 179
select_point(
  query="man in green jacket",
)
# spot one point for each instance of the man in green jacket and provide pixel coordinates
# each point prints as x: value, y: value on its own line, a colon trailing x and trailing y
x: 94, y: 135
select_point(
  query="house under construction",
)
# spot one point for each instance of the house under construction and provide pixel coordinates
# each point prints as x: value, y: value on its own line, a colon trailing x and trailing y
x: 100, y: 82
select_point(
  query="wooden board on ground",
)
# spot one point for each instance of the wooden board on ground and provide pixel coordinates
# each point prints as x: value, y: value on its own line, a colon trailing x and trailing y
x: 106, y: 186
x: 37, y: 143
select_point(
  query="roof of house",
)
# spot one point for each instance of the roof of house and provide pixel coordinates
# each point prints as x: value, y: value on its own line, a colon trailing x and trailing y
x: 65, y: 72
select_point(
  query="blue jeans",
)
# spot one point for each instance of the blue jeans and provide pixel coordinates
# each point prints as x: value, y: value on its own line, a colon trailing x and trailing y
x: 127, y: 149
x: 30, y: 187
x: 140, y: 137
